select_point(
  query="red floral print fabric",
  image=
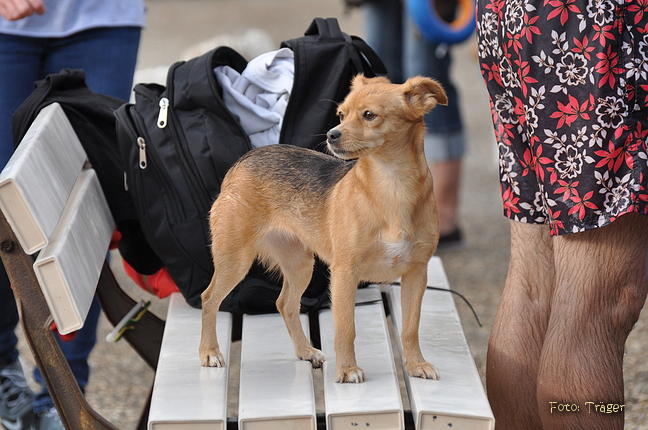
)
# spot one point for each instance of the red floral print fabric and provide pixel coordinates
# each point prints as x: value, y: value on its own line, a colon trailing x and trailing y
x: 568, y: 85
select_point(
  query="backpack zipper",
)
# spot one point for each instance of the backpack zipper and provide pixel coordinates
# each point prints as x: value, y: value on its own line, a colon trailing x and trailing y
x: 163, y: 116
x: 148, y: 152
x: 141, y: 143
x: 201, y: 196
x: 145, y: 153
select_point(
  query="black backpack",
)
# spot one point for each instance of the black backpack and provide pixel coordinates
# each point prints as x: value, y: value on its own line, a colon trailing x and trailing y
x: 178, y: 142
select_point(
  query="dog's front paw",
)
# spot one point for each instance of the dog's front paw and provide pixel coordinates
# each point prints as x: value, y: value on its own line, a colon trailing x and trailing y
x: 315, y: 356
x: 352, y: 374
x: 423, y: 370
x: 211, y: 357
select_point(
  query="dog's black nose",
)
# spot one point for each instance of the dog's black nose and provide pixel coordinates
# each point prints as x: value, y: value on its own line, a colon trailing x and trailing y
x: 333, y: 135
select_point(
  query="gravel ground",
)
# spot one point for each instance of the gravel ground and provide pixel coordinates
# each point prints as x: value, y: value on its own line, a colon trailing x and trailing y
x: 120, y: 380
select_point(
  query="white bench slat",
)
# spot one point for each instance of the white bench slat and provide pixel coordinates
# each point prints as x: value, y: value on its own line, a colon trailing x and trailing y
x: 68, y: 268
x: 187, y: 396
x: 275, y: 388
x: 36, y: 182
x: 376, y: 403
x: 458, y: 398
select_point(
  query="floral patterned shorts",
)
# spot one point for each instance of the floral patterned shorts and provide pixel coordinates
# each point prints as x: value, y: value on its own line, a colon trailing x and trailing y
x: 568, y: 85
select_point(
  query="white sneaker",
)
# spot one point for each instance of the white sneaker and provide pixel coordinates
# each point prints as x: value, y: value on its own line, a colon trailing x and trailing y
x: 16, y: 399
x: 48, y: 420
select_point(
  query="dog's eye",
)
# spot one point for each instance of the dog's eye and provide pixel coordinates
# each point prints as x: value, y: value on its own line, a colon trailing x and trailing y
x: 369, y: 115
x: 341, y: 116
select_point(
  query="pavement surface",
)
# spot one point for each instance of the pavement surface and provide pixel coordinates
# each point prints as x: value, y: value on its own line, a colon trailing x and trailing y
x: 120, y: 380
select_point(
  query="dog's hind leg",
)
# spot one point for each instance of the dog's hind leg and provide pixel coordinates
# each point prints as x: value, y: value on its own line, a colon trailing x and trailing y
x: 413, y: 286
x: 230, y: 267
x: 296, y: 264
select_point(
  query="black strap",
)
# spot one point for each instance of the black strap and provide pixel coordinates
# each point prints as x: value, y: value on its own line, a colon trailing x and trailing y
x: 460, y: 295
x: 374, y: 60
x: 326, y: 29
x: 329, y: 28
x: 447, y: 290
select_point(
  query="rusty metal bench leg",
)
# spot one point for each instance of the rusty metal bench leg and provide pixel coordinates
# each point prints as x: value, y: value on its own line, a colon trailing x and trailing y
x: 145, y: 338
x: 74, y: 410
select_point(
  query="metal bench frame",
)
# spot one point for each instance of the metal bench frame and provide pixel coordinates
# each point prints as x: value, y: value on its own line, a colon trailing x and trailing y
x: 36, y: 321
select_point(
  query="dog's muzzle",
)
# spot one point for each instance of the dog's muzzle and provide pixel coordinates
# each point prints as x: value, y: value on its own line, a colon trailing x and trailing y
x: 333, y: 136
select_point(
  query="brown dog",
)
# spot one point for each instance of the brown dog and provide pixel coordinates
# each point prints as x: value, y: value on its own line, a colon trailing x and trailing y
x: 373, y: 218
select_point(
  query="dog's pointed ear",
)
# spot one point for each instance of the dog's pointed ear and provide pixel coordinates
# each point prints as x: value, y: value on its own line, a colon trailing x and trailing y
x: 360, y: 80
x: 422, y: 94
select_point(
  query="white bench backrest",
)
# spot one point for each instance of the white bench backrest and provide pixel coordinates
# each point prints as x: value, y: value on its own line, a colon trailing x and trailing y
x: 56, y: 207
x: 37, y: 180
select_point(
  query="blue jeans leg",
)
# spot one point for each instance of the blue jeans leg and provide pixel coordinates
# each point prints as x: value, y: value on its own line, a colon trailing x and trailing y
x: 445, y: 140
x: 393, y: 35
x: 8, y: 322
x: 384, y: 33
x: 108, y: 57
x: 19, y: 69
x: 429, y: 59
x: 76, y: 352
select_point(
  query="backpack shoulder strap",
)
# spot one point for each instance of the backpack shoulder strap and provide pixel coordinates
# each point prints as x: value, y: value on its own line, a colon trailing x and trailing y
x: 325, y: 28
x: 329, y: 28
x: 370, y: 55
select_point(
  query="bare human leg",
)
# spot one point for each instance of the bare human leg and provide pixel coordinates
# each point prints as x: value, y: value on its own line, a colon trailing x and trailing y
x: 446, y: 191
x: 518, y: 331
x: 600, y: 290
x: 556, y: 350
